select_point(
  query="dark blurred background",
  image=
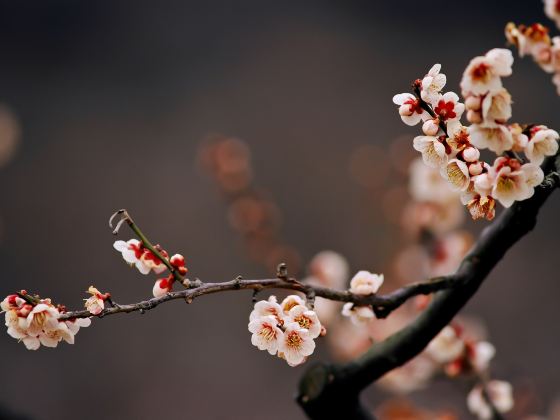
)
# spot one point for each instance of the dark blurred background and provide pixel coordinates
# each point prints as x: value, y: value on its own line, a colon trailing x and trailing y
x: 113, y: 99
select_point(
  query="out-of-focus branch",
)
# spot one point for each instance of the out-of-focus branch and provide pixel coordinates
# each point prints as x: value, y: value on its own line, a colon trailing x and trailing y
x: 333, y: 390
x: 382, y: 304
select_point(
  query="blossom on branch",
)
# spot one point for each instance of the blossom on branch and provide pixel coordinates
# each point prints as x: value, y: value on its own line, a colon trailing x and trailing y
x: 498, y: 392
x: 35, y: 321
x: 286, y: 329
x: 96, y: 303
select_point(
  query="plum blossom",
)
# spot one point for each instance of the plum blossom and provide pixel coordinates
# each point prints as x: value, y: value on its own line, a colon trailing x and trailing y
x: 448, y: 108
x: 266, y: 308
x: 542, y: 142
x: 446, y: 346
x: 366, y: 283
x: 513, y: 181
x: 410, y: 110
x: 134, y: 253
x: 480, y: 355
x: 432, y: 84
x: 306, y: 318
x: 499, y: 392
x: 35, y: 321
x: 456, y: 172
x: 426, y: 184
x: 290, y: 301
x: 266, y: 334
x: 296, y: 344
x: 432, y: 149
x: 520, y: 140
x: 480, y: 206
x: 358, y: 314
x: 483, y: 74
x: 498, y: 139
x: 96, y: 303
x: 496, y: 107
x: 163, y: 286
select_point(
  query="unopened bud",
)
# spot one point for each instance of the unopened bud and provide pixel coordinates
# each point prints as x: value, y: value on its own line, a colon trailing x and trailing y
x: 430, y: 127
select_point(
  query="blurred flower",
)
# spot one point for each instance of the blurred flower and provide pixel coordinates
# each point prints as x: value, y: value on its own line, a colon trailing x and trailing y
x: 358, y: 314
x: 446, y: 346
x: 499, y: 393
x: 412, y: 376
x: 9, y: 135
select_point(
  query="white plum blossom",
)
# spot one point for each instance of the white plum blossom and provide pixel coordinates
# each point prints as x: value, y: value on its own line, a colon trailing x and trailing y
x: 499, y: 392
x: 496, y: 107
x: 96, y: 303
x: 446, y: 346
x: 266, y: 308
x: 358, y: 314
x: 513, y: 181
x: 366, y: 283
x: 456, y: 172
x: 410, y: 109
x: 481, y: 354
x: 35, y: 321
x: 286, y: 329
x: 306, y: 318
x: 296, y: 344
x: 543, y: 142
x: 426, y: 184
x: 432, y: 84
x: 432, y: 149
x: 266, y: 334
x: 290, y: 301
x: 498, y: 139
x: 483, y: 74
x: 132, y: 252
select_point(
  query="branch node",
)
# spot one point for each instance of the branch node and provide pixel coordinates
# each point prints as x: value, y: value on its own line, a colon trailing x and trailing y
x: 282, y: 271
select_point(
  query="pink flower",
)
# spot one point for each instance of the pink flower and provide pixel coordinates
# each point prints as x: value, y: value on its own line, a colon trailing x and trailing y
x: 266, y: 308
x: 432, y: 84
x: 266, y: 334
x: 499, y: 392
x: 483, y: 73
x: 358, y: 314
x: 446, y: 346
x: 306, y: 318
x: 296, y: 344
x: 542, y: 142
x: 96, y: 303
x: 162, y: 286
x: 409, y: 108
x: 366, y: 283
x: 432, y: 149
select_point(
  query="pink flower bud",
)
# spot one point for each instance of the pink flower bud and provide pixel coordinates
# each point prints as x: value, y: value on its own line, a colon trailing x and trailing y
x: 471, y: 154
x: 430, y: 128
x: 473, y: 103
x: 405, y: 110
x: 474, y: 117
x: 475, y: 169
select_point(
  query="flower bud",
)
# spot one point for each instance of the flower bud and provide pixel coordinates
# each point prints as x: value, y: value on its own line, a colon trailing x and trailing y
x: 430, y: 127
x: 471, y: 154
x: 405, y: 110
x: 473, y: 103
x: 475, y: 168
x: 474, y: 117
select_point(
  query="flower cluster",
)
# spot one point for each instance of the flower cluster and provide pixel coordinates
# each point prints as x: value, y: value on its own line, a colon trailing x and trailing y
x: 457, y: 355
x: 454, y: 149
x: 35, y: 321
x: 498, y: 392
x: 363, y: 283
x: 136, y: 254
x: 534, y: 40
x: 287, y: 329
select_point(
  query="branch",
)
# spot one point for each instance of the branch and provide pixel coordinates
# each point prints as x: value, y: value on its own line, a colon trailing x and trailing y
x: 383, y: 305
x: 333, y: 390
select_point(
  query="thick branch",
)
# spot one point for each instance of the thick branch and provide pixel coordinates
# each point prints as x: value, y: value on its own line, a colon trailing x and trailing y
x: 324, y: 388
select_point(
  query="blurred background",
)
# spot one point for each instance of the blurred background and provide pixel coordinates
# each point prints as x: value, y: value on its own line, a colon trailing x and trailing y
x: 107, y: 104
